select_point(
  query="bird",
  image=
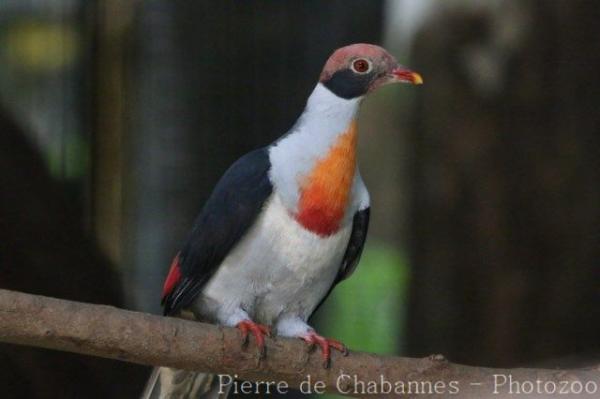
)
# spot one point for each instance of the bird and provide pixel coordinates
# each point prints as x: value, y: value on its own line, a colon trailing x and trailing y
x: 283, y: 226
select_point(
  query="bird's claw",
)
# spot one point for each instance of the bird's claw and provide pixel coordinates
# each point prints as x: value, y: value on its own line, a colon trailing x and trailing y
x: 314, y: 340
x: 259, y: 331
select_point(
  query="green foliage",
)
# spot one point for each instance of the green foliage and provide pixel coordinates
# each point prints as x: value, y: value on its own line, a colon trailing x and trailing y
x: 68, y: 156
x: 366, y: 312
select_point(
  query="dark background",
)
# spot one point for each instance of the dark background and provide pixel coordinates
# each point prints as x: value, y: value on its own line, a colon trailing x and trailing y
x: 118, y: 117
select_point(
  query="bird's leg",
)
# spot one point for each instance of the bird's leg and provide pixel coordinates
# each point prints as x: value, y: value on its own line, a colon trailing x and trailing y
x: 294, y: 326
x: 325, y: 344
x: 258, y: 330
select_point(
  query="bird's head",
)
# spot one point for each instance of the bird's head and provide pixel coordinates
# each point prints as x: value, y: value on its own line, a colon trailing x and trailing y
x: 358, y: 69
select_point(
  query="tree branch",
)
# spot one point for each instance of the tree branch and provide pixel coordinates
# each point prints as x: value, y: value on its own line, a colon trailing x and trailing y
x: 109, y: 332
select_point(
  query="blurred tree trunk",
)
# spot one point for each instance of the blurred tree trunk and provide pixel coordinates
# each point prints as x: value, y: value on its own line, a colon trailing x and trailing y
x: 212, y: 81
x: 44, y: 250
x: 110, y: 33
x: 505, y: 193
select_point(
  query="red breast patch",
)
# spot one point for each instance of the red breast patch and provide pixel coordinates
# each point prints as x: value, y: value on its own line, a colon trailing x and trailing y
x: 326, y: 190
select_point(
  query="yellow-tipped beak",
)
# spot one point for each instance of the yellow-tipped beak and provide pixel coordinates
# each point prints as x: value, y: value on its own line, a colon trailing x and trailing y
x: 417, y: 79
x: 407, y: 76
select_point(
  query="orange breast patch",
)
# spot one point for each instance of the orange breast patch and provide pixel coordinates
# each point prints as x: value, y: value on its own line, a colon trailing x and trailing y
x: 325, y: 191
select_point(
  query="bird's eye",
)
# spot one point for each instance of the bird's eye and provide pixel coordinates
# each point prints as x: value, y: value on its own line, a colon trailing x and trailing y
x: 361, y: 66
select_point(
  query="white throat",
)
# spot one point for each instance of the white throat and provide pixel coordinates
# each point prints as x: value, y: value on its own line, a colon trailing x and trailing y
x: 325, y: 117
x: 327, y: 113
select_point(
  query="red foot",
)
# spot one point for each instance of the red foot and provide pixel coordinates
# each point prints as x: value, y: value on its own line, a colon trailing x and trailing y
x: 325, y: 344
x: 258, y: 330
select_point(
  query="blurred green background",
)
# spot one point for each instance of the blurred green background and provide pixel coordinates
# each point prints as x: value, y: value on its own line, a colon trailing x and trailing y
x: 118, y: 117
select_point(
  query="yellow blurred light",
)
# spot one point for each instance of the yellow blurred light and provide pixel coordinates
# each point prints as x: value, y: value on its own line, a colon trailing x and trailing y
x: 41, y: 46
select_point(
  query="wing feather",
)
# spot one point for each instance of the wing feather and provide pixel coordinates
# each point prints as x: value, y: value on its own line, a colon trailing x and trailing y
x: 230, y: 211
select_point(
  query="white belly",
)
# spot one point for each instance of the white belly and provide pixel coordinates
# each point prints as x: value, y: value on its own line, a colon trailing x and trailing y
x: 278, y: 268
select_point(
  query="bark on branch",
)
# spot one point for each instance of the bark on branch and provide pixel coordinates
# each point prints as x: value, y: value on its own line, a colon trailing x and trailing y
x: 109, y: 332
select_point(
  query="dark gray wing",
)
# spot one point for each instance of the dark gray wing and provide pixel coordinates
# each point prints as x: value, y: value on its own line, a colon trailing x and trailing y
x: 360, y: 228
x: 358, y: 236
x: 230, y: 211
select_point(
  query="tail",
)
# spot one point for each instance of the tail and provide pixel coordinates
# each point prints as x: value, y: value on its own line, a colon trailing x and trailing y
x: 168, y: 383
